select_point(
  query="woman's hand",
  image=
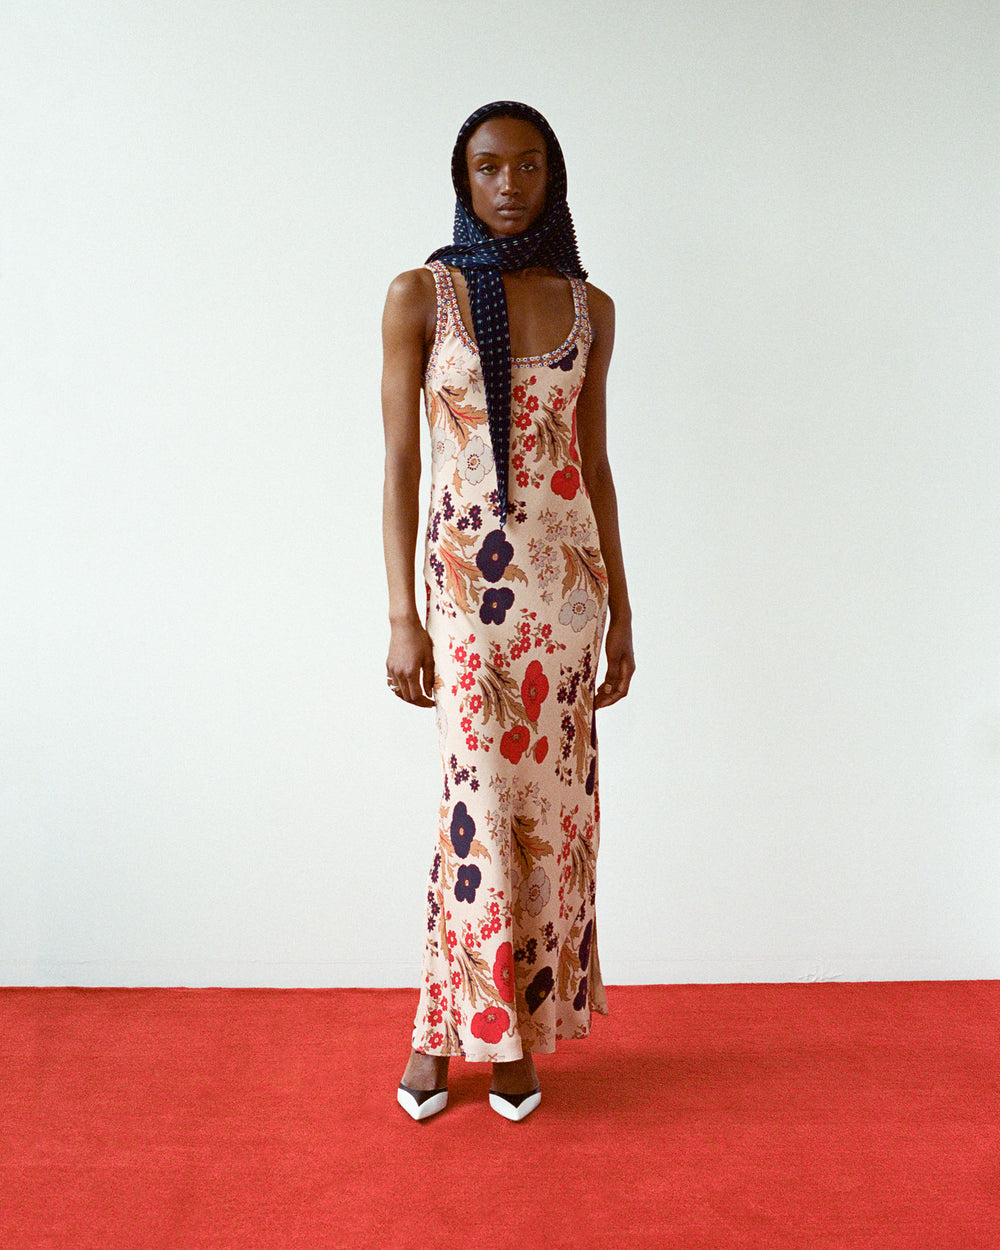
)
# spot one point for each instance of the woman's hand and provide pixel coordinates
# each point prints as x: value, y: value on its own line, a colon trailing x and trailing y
x: 621, y: 665
x: 410, y: 663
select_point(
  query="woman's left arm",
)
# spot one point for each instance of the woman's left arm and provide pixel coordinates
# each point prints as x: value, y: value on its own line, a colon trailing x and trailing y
x: 591, y: 419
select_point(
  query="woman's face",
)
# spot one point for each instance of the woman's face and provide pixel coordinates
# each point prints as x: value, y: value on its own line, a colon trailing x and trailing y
x: 508, y: 174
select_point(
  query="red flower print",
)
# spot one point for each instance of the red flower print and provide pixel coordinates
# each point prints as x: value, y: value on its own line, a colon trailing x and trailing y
x: 541, y: 749
x: 490, y: 1025
x: 472, y: 742
x: 474, y: 660
x: 519, y: 393
x: 435, y: 1040
x: 534, y: 690
x: 467, y: 681
x: 503, y: 971
x: 514, y: 743
x: 532, y: 403
x: 566, y: 482
x: 475, y: 702
x: 522, y: 479
x: 466, y: 723
x: 460, y: 654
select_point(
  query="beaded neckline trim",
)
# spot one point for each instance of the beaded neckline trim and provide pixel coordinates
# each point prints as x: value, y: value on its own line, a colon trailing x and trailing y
x: 532, y: 362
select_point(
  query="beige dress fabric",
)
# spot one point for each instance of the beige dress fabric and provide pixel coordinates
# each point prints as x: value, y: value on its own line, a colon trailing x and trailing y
x: 516, y: 616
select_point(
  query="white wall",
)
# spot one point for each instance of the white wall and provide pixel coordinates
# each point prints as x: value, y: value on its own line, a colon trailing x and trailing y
x: 204, y: 780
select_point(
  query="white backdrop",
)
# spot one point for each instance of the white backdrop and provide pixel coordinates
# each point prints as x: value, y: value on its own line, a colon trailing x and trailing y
x: 204, y: 780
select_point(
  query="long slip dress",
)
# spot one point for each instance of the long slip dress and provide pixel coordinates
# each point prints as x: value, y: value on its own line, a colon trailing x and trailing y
x: 516, y: 616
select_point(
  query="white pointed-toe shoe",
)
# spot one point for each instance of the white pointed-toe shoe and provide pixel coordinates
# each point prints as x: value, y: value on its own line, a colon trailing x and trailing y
x: 421, y: 1103
x: 515, y: 1106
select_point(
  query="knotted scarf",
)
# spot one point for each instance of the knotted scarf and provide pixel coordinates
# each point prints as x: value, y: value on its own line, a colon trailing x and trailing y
x: 550, y: 241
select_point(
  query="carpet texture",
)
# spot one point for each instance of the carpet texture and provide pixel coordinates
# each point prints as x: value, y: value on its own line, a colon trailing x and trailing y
x: 827, y: 1116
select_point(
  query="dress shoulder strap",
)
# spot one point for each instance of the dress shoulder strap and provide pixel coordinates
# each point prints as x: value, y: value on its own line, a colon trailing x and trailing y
x: 582, y: 310
x: 443, y: 285
x: 449, y: 322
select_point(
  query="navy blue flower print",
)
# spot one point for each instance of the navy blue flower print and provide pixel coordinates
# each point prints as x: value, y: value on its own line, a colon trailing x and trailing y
x: 494, y: 556
x: 526, y: 954
x: 567, y: 361
x: 467, y: 882
x: 471, y: 519
x: 495, y: 606
x: 433, y: 911
x: 539, y: 989
x: 588, y: 935
x: 463, y: 830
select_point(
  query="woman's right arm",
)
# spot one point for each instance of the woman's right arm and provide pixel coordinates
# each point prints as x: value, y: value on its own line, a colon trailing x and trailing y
x: 407, y: 333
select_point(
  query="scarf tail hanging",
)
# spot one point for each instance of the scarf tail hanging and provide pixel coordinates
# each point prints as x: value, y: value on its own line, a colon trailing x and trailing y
x: 493, y: 336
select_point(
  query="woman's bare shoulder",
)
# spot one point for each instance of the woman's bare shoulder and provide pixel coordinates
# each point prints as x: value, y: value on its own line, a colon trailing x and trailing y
x: 601, y: 308
x: 411, y: 305
x: 414, y: 288
x: 599, y: 301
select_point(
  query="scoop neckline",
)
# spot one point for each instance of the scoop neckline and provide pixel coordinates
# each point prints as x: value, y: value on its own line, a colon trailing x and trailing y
x: 546, y: 358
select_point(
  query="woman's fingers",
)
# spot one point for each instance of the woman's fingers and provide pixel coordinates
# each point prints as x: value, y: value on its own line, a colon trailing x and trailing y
x: 427, y: 671
x: 406, y: 686
x: 605, y: 690
x: 617, y: 680
x: 417, y: 696
x: 410, y: 666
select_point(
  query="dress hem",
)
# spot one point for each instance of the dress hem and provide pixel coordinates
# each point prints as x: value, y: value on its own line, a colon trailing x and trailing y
x: 495, y: 1055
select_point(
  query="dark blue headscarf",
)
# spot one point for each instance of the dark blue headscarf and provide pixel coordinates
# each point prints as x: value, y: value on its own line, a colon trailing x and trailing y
x: 551, y: 241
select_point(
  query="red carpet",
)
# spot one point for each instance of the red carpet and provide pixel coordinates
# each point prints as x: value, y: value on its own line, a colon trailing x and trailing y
x: 717, y: 1116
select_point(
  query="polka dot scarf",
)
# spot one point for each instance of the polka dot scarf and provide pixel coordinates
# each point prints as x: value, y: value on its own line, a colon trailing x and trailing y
x: 482, y: 259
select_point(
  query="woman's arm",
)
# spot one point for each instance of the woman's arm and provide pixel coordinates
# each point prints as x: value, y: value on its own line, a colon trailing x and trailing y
x: 591, y: 418
x: 407, y: 331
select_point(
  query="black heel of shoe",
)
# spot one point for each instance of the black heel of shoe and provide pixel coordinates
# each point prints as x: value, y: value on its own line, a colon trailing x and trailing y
x: 515, y: 1106
x: 421, y: 1104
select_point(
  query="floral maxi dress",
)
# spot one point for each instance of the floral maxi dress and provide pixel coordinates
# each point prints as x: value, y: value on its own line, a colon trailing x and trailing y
x: 516, y: 616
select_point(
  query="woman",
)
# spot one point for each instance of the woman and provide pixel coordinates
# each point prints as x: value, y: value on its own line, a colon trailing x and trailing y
x: 523, y: 567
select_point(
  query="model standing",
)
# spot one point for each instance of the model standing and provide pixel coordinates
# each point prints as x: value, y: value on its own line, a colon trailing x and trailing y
x: 523, y: 570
